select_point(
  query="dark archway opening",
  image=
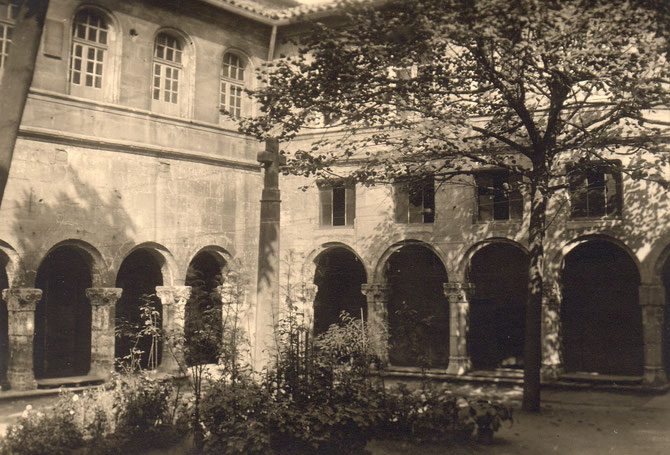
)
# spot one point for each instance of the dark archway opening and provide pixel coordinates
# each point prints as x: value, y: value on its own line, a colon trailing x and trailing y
x: 63, y: 315
x: 138, y: 276
x: 4, y: 326
x: 600, y: 315
x: 499, y: 273
x: 665, y: 276
x: 418, y: 311
x: 203, y: 324
x: 339, y: 275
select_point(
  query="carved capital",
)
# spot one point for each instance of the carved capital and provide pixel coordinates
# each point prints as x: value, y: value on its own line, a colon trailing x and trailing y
x: 173, y: 294
x: 21, y: 299
x: 651, y: 295
x: 103, y: 296
x: 375, y: 292
x: 458, y: 292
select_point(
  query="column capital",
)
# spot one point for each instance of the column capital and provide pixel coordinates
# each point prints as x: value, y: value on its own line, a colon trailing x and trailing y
x: 458, y: 292
x: 103, y: 296
x: 376, y: 291
x: 21, y: 299
x: 173, y: 294
x: 651, y: 295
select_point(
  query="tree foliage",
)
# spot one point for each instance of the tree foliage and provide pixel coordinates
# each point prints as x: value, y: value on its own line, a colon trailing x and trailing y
x: 410, y: 88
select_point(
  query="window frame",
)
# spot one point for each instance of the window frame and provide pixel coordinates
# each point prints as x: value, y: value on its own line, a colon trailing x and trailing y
x: 327, y: 210
x: 7, y: 23
x: 167, y: 68
x: 228, y: 83
x: 408, y: 212
x: 579, y: 177
x: 509, y: 201
x: 100, y: 66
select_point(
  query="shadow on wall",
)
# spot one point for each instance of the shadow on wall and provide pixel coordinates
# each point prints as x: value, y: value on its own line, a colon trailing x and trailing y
x: 68, y: 238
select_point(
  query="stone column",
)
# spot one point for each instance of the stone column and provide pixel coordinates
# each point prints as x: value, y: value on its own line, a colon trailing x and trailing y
x: 21, y: 303
x: 652, y: 301
x: 552, y: 365
x: 458, y: 295
x: 377, y: 299
x: 173, y: 299
x: 103, y: 313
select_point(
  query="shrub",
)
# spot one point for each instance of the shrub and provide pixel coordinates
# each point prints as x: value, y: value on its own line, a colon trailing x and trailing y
x: 235, y: 418
x: 433, y: 414
x: 38, y: 433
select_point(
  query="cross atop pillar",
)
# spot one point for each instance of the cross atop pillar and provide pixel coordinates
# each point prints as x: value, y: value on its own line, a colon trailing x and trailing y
x: 267, y: 290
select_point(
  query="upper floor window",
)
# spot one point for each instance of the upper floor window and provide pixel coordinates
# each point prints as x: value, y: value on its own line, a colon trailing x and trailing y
x: 498, y: 196
x: 232, y: 85
x: 338, y: 205
x: 8, y: 12
x: 89, y: 46
x: 595, y: 192
x: 167, y: 68
x: 415, y: 201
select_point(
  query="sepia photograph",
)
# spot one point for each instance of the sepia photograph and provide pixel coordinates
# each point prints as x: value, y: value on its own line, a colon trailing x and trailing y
x: 334, y: 227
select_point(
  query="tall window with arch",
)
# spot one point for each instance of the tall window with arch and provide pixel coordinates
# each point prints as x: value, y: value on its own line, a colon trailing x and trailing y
x: 89, y: 46
x: 168, y: 68
x: 232, y: 85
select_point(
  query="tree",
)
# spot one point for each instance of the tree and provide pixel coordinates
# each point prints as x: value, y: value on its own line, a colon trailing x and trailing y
x: 18, y: 76
x: 443, y: 87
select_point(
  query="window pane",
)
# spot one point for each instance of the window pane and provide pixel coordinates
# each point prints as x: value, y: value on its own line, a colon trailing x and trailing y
x: 613, y: 189
x: 429, y: 201
x: 103, y: 37
x: 98, y: 82
x: 596, y: 194
x: 339, y: 206
x: 326, y: 202
x: 89, y: 80
x: 401, y: 203
x: 350, y: 201
x: 577, y: 183
x: 157, y: 93
x: 415, y: 203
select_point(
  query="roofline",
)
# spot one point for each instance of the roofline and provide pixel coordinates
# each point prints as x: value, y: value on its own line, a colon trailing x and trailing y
x: 278, y: 22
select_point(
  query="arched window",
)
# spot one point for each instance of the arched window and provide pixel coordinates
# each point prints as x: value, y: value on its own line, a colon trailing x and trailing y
x: 89, y: 46
x: 167, y: 68
x: 232, y: 85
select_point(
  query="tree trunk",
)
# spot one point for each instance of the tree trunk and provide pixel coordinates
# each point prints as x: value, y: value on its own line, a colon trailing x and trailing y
x: 17, y: 78
x: 533, y: 335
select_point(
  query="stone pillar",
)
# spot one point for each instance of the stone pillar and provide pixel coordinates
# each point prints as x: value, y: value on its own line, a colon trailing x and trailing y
x: 377, y: 299
x: 103, y: 313
x: 21, y: 303
x: 552, y: 365
x: 458, y: 295
x: 173, y: 299
x: 652, y: 301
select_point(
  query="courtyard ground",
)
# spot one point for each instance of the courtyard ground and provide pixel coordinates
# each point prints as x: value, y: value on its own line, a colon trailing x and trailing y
x: 571, y: 422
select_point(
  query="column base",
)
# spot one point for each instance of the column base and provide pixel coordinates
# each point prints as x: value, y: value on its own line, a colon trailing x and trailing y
x: 459, y: 365
x: 21, y: 380
x: 654, y: 376
x: 550, y: 373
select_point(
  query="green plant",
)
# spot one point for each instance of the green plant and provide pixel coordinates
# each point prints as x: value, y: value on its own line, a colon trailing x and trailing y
x: 37, y: 433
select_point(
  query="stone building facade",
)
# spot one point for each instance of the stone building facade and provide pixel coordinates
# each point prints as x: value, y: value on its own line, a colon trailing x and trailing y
x: 126, y: 175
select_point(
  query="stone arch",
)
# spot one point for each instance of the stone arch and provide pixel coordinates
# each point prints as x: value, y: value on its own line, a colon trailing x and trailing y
x: 62, y: 344
x: 163, y: 256
x: 559, y: 258
x: 309, y: 265
x: 142, y: 269
x: 498, y: 304
x: 662, y: 273
x: 5, y: 263
x: 203, y: 329
x: 601, y: 318
x: 338, y: 275
x: 418, y: 311
x: 464, y: 264
x: 13, y: 265
x: 379, y: 273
